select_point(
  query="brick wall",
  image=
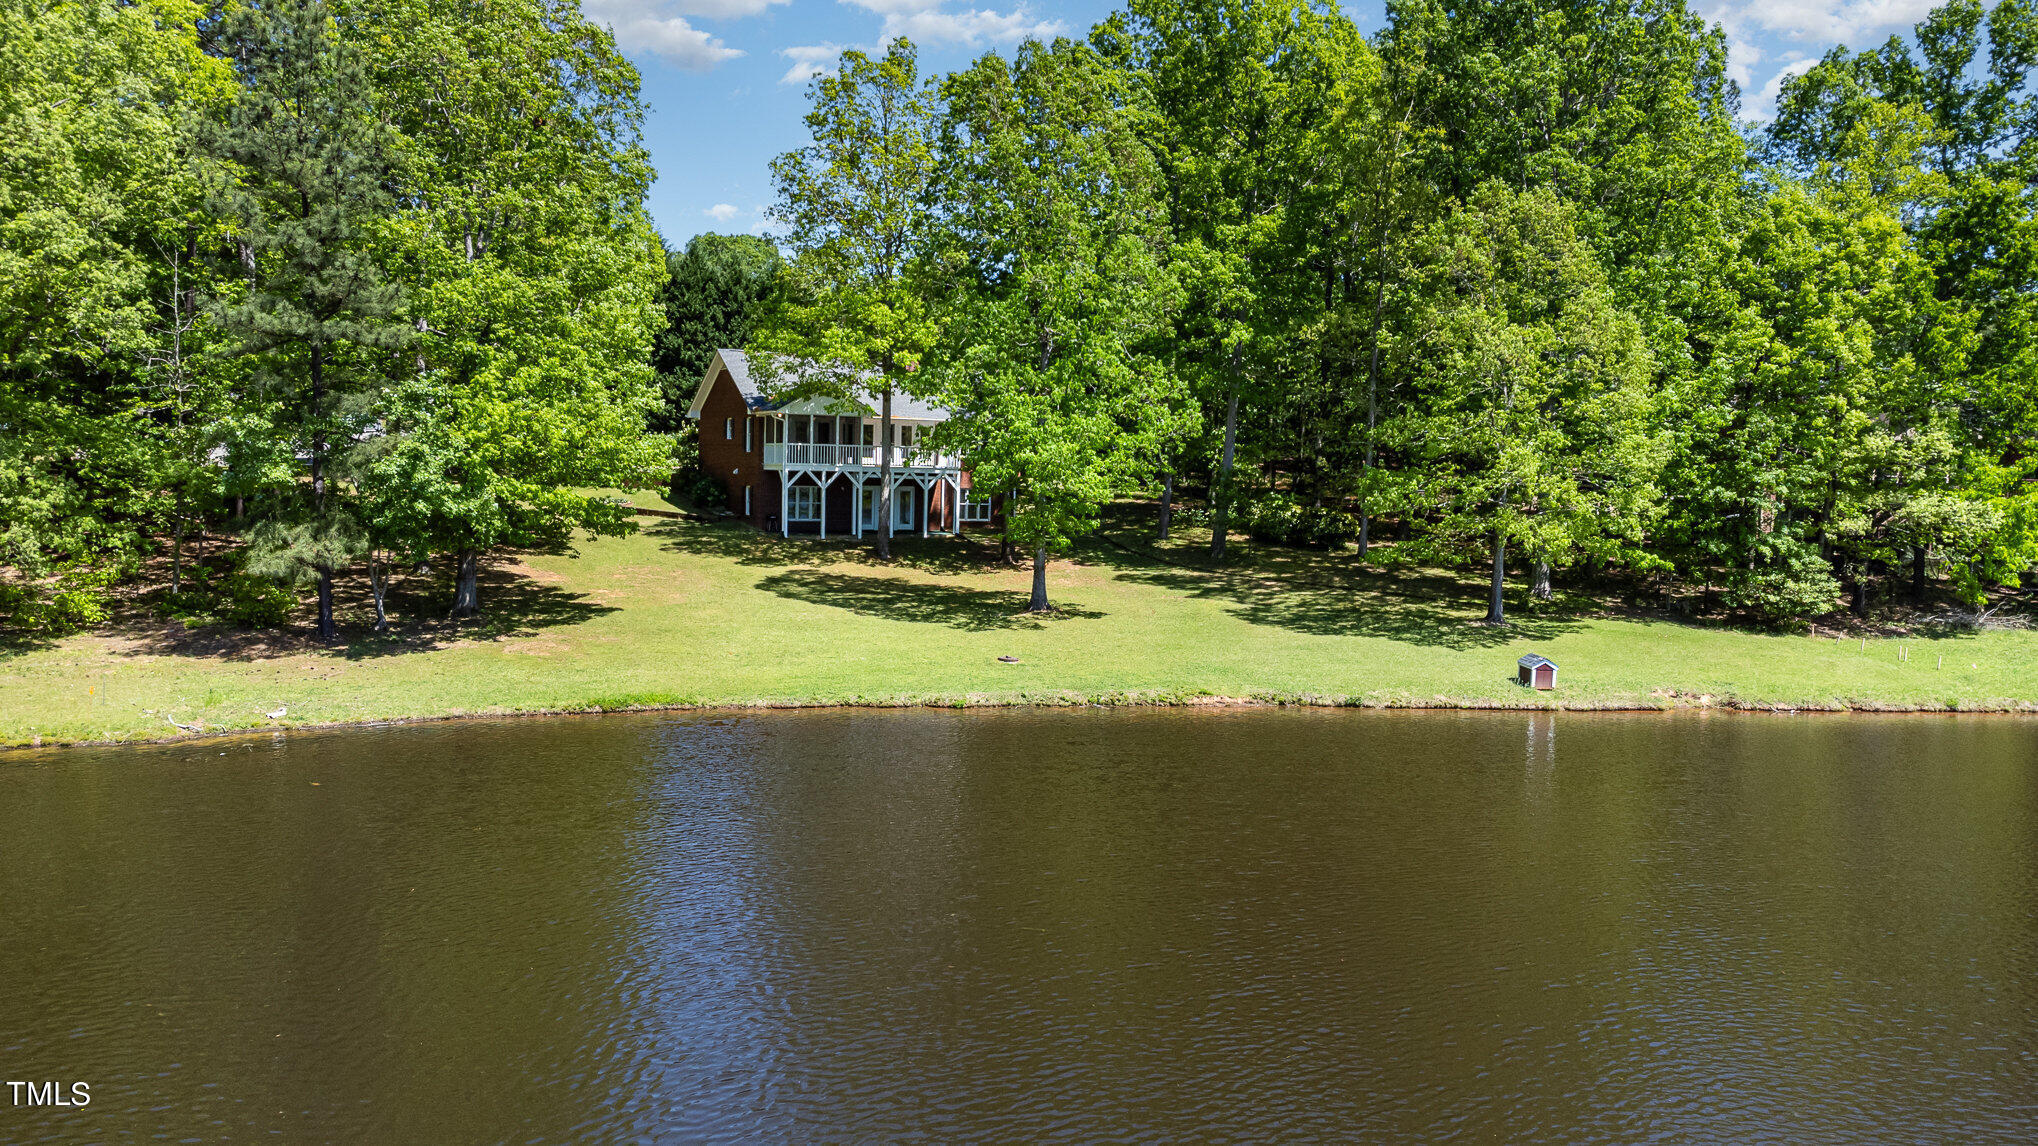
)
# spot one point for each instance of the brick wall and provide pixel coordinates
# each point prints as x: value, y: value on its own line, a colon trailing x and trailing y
x: 723, y: 417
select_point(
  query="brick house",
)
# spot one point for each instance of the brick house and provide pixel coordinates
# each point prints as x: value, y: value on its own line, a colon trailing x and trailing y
x: 811, y: 465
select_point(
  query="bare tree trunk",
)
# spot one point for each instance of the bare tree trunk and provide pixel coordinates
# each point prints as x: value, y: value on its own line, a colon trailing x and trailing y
x: 177, y: 559
x: 378, y: 584
x: 1496, y: 608
x: 327, y: 630
x: 1167, y: 502
x: 1539, y: 588
x: 1860, y: 593
x: 1221, y: 511
x: 467, y: 587
x: 1039, y: 602
x: 1918, y: 559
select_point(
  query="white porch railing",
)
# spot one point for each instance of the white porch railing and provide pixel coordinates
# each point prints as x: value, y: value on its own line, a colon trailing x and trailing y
x: 779, y: 455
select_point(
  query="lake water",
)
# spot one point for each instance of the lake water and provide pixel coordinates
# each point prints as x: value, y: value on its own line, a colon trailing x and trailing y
x: 1021, y: 925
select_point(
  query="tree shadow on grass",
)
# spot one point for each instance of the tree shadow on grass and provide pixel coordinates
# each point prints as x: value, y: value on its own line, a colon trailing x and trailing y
x: 513, y: 605
x: 893, y: 599
x: 14, y: 644
x: 738, y: 542
x: 1292, y: 590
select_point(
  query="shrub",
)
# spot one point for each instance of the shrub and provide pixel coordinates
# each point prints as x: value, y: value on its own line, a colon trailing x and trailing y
x: 1275, y: 519
x: 78, y: 596
x: 695, y: 488
x: 232, y: 597
x: 1795, y: 583
x: 254, y: 602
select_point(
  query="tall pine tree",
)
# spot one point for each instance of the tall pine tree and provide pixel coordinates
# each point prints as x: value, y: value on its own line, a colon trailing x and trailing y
x: 712, y: 300
x: 312, y: 171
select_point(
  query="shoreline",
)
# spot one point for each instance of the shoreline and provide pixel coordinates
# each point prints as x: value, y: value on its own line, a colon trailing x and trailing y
x: 1665, y: 705
x: 686, y: 616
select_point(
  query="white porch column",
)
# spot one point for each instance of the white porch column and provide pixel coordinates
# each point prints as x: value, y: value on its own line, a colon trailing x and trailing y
x: 856, y: 509
x: 955, y: 507
x: 785, y: 505
x: 926, y: 503
x: 824, y: 507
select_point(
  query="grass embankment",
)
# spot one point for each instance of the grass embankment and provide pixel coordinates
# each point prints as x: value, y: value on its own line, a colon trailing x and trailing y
x: 684, y: 613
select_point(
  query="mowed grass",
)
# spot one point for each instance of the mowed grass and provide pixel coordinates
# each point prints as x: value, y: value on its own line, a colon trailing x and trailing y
x: 686, y: 613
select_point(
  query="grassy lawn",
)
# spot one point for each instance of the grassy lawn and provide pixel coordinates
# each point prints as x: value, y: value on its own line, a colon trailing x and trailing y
x: 691, y: 613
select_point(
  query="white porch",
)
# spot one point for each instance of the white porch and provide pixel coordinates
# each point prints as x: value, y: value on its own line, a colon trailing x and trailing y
x: 828, y: 461
x: 806, y: 495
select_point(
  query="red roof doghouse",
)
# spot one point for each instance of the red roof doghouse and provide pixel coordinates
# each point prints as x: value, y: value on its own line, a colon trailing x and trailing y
x: 1537, y: 672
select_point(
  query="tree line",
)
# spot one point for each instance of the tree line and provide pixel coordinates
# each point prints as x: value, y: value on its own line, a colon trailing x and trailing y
x: 369, y: 282
x: 1510, y: 283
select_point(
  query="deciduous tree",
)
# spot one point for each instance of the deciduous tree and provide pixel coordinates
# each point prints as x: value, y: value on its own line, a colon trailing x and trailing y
x: 1050, y: 352
x: 1528, y: 415
x: 852, y: 318
x: 534, y: 273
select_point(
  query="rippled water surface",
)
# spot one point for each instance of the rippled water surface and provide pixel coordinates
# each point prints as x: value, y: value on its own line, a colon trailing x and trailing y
x: 1089, y: 925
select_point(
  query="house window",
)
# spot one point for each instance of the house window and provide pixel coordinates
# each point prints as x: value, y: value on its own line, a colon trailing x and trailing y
x: 870, y: 433
x: 803, y: 503
x: 728, y: 428
x: 906, y: 437
x: 746, y: 501
x: 747, y: 423
x: 974, y: 510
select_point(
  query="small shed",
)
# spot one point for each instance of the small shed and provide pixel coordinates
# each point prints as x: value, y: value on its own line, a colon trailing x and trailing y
x: 1538, y: 671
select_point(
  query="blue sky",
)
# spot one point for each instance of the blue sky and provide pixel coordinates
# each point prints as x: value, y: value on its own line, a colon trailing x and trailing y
x: 725, y: 79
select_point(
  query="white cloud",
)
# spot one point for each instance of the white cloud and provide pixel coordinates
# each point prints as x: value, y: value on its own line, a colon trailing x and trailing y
x: 641, y: 26
x: 1826, y: 21
x: 722, y: 212
x: 926, y: 22
x: 722, y: 9
x: 810, y: 60
x: 971, y: 29
x: 930, y: 22
x: 1764, y: 107
x: 1741, y: 60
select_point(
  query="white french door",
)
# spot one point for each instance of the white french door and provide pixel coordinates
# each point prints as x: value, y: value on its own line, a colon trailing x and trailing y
x: 904, y: 500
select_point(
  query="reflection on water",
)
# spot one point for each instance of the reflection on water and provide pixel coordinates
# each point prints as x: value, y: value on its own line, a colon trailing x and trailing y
x: 1017, y: 925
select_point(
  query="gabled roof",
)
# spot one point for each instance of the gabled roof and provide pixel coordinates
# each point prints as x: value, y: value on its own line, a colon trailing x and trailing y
x: 1534, y: 661
x: 737, y: 363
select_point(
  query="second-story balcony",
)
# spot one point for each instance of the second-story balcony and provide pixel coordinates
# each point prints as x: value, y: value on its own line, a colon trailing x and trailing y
x: 821, y: 456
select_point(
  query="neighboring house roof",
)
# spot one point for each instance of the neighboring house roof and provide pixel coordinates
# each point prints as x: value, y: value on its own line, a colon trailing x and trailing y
x: 737, y: 363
